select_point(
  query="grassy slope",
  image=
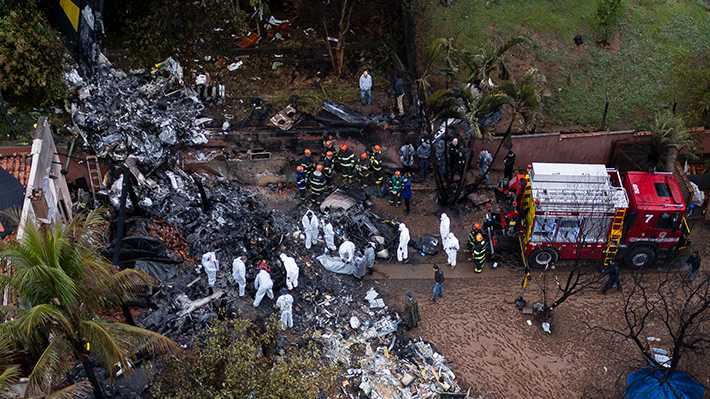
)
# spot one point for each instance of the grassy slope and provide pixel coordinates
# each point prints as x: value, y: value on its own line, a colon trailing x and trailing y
x: 633, y: 71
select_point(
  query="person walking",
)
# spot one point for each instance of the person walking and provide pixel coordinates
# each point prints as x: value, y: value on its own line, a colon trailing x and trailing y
x: 263, y: 284
x: 444, y: 227
x: 398, y: 85
x: 403, y: 250
x: 411, y: 312
x: 509, y: 162
x: 395, y: 191
x: 329, y: 235
x: 439, y: 282
x: 406, y: 155
x: 693, y: 264
x: 310, y: 228
x: 406, y: 193
x: 285, y: 304
x: 365, y: 87
x: 423, y: 153
x: 614, y: 274
x: 451, y: 246
x: 479, y: 253
x: 370, y: 257
x: 291, y: 271
x: 376, y: 164
x: 484, y: 161
x: 239, y: 272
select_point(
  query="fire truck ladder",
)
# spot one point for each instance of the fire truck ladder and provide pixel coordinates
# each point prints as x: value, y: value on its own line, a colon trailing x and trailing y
x: 617, y: 227
x: 94, y: 174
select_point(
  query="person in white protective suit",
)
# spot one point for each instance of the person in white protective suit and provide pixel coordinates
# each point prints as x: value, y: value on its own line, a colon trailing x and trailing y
x: 239, y: 272
x: 285, y: 303
x: 291, y: 271
x: 402, y: 250
x: 263, y: 285
x: 347, y: 251
x: 444, y: 228
x: 310, y: 227
x: 211, y: 265
x: 329, y: 235
x: 370, y: 257
x: 451, y: 246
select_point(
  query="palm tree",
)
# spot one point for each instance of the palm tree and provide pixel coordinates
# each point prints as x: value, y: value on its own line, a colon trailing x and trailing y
x: 659, y: 152
x: 9, y: 373
x: 483, y: 60
x: 62, y: 282
x: 527, y: 95
x: 440, y: 51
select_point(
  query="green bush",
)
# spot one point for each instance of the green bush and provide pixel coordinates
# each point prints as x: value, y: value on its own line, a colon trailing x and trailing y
x: 238, y: 359
x: 690, y: 87
x: 30, y: 59
x: 607, y: 17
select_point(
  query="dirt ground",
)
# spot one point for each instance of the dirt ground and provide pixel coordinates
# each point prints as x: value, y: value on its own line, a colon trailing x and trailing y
x: 494, y: 349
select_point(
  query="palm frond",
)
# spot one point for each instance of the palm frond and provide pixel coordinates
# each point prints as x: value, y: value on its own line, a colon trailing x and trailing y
x: 510, y: 43
x: 50, y: 367
x: 44, y: 317
x: 79, y: 390
x: 9, y: 373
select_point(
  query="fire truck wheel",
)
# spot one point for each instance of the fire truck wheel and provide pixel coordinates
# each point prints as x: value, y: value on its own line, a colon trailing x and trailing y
x: 540, y: 257
x: 640, y: 257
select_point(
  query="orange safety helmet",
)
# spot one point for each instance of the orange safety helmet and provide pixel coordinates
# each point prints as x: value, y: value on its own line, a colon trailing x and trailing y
x: 476, y: 226
x: 396, y: 173
x: 343, y: 147
x: 364, y: 155
x: 307, y: 152
x: 319, y: 167
x: 479, y: 237
x: 329, y: 143
x: 377, y: 148
x: 329, y: 154
x: 299, y: 168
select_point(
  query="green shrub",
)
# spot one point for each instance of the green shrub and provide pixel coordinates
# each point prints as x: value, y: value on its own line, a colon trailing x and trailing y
x: 607, y: 17
x: 30, y: 59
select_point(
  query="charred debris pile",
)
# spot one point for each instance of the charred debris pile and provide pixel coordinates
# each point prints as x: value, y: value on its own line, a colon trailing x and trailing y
x: 139, y: 121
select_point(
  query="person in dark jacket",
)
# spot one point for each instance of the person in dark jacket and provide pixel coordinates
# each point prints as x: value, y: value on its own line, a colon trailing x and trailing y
x: 614, y: 274
x: 406, y: 193
x: 399, y: 93
x: 423, y: 154
x: 693, y: 264
x: 346, y: 158
x: 411, y: 312
x: 439, y: 280
x: 440, y: 152
x: 454, y: 150
x: 308, y: 164
x: 301, y: 182
x: 509, y: 162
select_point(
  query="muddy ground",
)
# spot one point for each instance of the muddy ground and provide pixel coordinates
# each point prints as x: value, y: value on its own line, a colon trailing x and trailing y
x: 494, y: 348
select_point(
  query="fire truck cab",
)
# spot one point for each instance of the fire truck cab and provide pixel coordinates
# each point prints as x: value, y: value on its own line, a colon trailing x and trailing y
x: 582, y: 211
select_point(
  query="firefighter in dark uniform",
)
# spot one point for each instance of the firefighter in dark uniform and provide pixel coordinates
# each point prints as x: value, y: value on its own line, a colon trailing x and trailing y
x: 396, y: 185
x: 317, y: 185
x: 479, y: 253
x: 329, y: 168
x: 347, y: 162
x: 301, y: 182
x: 376, y: 164
x: 363, y: 169
x: 476, y: 230
x: 328, y: 147
x: 308, y: 163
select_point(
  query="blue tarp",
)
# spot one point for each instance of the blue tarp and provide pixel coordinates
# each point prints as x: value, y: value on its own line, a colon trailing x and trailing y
x: 662, y: 384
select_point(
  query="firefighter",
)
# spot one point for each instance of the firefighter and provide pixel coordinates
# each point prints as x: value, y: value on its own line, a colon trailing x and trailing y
x: 396, y: 185
x: 327, y: 148
x: 363, y: 169
x: 476, y: 230
x: 301, y: 182
x: 479, y: 253
x: 329, y: 168
x: 308, y: 163
x: 317, y: 185
x: 376, y: 164
x: 347, y: 162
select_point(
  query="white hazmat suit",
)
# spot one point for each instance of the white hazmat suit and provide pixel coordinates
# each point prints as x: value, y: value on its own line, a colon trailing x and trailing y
x: 291, y: 271
x: 211, y: 265
x: 239, y: 272
x: 263, y: 285
x: 444, y: 228
x: 370, y: 257
x: 347, y: 251
x: 402, y: 250
x: 310, y: 227
x: 451, y: 246
x: 329, y: 235
x: 285, y: 303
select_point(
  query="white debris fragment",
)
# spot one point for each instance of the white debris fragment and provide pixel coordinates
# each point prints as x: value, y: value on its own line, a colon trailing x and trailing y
x: 235, y: 66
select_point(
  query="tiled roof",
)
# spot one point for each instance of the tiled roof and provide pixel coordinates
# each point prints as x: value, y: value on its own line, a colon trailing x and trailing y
x: 17, y: 164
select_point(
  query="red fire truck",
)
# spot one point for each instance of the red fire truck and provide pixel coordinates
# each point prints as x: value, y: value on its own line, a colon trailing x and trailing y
x: 581, y: 211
